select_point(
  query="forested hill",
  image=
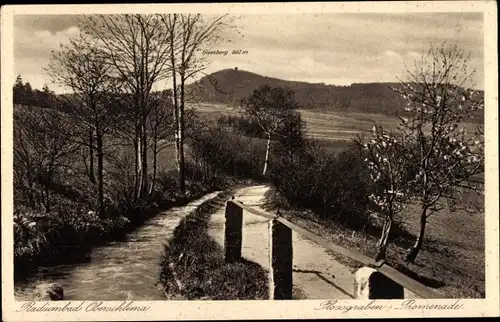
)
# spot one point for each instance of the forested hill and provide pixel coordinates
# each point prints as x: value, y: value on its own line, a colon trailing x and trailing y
x: 231, y: 85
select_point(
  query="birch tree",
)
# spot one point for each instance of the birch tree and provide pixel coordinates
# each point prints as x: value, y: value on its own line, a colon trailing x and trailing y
x: 270, y: 108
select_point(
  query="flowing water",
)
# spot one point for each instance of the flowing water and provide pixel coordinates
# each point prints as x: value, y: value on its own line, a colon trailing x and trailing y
x: 124, y: 270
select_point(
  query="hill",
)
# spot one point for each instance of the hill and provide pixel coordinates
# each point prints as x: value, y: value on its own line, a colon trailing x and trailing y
x: 229, y: 86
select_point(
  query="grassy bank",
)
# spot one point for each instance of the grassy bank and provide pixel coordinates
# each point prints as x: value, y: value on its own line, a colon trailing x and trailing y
x: 451, y: 259
x: 193, y: 266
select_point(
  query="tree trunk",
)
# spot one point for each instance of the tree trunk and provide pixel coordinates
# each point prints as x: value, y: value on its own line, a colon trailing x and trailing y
x: 414, y: 250
x: 100, y: 173
x: 384, y: 238
x: 47, y: 200
x: 267, y: 154
x: 176, y: 132
x: 91, y: 156
x: 30, y: 192
x: 144, y: 152
x: 178, y: 140
x: 182, y: 173
x: 138, y: 166
x: 45, y: 193
x: 155, y: 156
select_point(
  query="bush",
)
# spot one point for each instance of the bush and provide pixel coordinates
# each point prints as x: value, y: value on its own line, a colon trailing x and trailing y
x: 40, y: 236
x: 335, y: 187
x: 218, y: 152
x: 242, y: 125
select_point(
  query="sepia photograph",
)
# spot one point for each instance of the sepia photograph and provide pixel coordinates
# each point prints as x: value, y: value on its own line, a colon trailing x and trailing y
x: 180, y: 161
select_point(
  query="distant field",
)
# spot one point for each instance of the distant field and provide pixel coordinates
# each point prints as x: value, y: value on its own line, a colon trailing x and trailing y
x: 324, y: 124
x: 321, y: 124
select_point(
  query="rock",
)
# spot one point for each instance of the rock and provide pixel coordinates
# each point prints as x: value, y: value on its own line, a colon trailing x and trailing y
x: 371, y: 284
x: 50, y: 292
x: 362, y: 278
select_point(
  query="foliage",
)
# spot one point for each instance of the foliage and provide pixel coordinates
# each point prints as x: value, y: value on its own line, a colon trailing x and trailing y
x: 291, y: 137
x: 43, y: 150
x: 241, y: 125
x: 335, y: 187
x: 218, y: 152
x: 25, y: 95
x: 269, y: 108
x: 45, y: 235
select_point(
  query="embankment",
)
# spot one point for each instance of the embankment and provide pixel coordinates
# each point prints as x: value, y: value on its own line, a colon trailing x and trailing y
x: 65, y: 237
x: 193, y: 264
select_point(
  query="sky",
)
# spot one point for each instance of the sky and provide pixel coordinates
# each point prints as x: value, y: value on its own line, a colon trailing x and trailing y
x: 331, y: 48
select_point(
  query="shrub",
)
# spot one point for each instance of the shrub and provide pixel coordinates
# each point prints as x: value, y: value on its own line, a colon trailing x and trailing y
x: 39, y: 234
x: 218, y: 152
x: 242, y: 125
x: 335, y: 187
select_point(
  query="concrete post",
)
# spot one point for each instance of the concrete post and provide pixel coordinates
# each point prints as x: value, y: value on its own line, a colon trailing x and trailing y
x: 281, y: 260
x: 371, y: 284
x: 233, y: 232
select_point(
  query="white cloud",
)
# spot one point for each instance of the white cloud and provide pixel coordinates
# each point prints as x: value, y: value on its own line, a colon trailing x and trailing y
x: 414, y: 54
x: 70, y: 32
x: 391, y: 54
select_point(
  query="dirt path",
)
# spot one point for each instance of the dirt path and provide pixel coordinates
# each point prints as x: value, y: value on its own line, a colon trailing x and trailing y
x: 316, y: 274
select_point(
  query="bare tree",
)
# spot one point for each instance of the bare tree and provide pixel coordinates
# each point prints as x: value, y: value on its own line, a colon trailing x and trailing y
x: 81, y: 67
x: 270, y: 108
x: 137, y: 46
x: 42, y: 149
x: 438, y: 149
x: 187, y: 34
x: 162, y: 128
